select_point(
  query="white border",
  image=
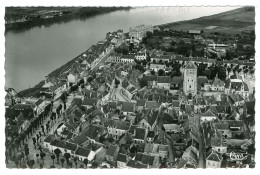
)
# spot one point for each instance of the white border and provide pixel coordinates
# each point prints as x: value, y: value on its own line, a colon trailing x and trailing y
x: 121, y: 3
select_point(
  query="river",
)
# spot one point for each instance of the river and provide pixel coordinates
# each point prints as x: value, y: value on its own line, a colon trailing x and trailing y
x: 34, y: 53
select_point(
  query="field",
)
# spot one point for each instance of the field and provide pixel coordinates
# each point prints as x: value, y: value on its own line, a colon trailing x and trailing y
x: 233, y: 21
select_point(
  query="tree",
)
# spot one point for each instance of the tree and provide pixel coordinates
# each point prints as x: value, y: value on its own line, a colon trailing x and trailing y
x: 42, y: 155
x: 94, y: 164
x: 37, y: 156
x: 152, y: 72
x: 19, y: 158
x: 30, y: 163
x: 76, y: 161
x: 57, y: 151
x: 143, y: 82
x: 85, y: 161
x: 90, y: 79
x: 52, y: 166
x: 26, y: 151
x: 62, y: 161
x: 67, y: 157
x: 53, y: 157
x: 117, y: 82
x: 160, y: 72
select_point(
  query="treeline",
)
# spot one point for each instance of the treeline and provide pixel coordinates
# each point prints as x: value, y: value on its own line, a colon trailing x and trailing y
x: 68, y: 15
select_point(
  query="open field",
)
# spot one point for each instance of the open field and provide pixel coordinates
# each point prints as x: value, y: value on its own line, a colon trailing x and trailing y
x: 233, y: 21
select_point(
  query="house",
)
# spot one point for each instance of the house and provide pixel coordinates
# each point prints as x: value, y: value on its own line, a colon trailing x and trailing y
x: 157, y: 67
x: 122, y: 160
x: 150, y: 120
x: 127, y: 58
x: 139, y: 135
x: 171, y: 128
x: 190, y: 157
x: 21, y: 122
x: 84, y: 153
x: 236, y: 99
x: 237, y: 86
x: 116, y: 128
x: 163, y: 82
x: 128, y: 108
x: 93, y: 132
x: 47, y: 141
x: 141, y: 55
x: 217, y: 85
x: 208, y: 116
x: 112, y: 153
x: 140, y: 105
x: 139, y: 31
x: 73, y: 77
x: 79, y: 140
x: 89, y: 102
x: 65, y: 147
x: 136, y: 164
x: 214, y: 160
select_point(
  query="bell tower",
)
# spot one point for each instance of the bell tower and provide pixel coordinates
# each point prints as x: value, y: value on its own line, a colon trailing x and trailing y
x: 190, y: 79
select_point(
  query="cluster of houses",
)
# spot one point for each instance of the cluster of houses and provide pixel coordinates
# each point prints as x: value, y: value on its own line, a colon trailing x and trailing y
x: 163, y: 124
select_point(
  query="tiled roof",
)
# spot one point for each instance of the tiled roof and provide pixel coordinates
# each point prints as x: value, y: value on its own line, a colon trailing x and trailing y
x: 119, y: 124
x: 39, y: 102
x: 147, y: 159
x: 152, y: 104
x: 128, y: 107
x: 135, y: 164
x: 214, y: 157
x: 217, y: 82
x: 49, y: 138
x: 112, y: 150
x: 208, y: 113
x: 79, y: 139
x: 122, y: 158
x: 139, y: 133
x: 164, y: 79
x: 89, y: 101
x: 140, y: 102
x: 82, y: 152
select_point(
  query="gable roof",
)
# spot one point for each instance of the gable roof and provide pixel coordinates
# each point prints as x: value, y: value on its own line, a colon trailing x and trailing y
x: 214, y: 157
x: 208, y: 113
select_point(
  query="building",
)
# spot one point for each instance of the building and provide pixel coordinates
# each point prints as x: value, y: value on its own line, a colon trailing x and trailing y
x: 141, y: 55
x: 138, y: 32
x: 213, y: 161
x: 190, y: 79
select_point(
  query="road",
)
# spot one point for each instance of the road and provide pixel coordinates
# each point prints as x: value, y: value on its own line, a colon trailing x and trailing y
x: 102, y: 61
x: 117, y: 92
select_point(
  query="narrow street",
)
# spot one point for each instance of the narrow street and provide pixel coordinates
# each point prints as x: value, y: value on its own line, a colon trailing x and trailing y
x: 202, y: 149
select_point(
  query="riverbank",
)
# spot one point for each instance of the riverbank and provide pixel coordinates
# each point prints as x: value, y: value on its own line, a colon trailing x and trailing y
x: 20, y: 19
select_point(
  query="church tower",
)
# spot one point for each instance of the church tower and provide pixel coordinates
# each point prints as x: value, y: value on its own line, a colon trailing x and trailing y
x: 190, y: 79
